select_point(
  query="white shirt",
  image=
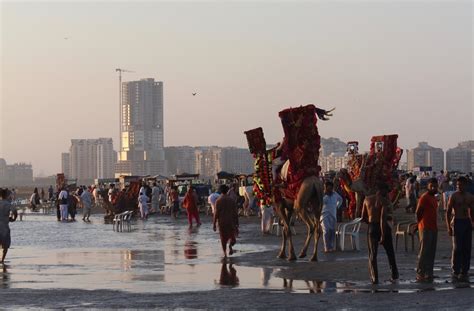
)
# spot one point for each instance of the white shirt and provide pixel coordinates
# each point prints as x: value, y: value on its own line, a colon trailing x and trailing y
x: 111, y: 191
x: 86, y: 198
x: 142, y: 200
x: 95, y: 194
x: 330, y: 205
x: 62, y: 195
x: 155, y: 194
x: 409, y: 189
x: 212, y: 199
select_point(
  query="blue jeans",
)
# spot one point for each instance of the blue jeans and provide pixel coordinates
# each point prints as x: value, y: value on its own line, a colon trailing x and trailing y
x: 63, y: 209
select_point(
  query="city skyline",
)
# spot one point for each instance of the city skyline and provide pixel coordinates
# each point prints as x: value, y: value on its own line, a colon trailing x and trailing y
x: 401, y: 80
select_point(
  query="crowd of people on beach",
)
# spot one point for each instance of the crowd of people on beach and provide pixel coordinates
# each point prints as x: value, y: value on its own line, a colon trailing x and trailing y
x: 458, y: 207
x: 452, y: 198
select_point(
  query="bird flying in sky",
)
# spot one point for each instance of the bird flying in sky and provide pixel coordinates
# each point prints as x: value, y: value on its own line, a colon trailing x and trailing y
x: 194, y: 94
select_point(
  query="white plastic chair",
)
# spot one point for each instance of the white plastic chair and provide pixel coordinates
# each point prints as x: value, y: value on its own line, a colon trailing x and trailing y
x: 118, y: 222
x: 406, y: 229
x: 350, y: 229
x: 127, y: 219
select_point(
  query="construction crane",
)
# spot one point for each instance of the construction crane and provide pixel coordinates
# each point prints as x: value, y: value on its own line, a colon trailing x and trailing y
x: 120, y: 70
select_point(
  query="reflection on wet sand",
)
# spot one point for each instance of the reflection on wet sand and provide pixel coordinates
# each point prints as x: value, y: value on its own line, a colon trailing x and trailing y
x: 5, y: 277
x: 228, y: 275
x: 190, y: 250
x: 266, y: 275
x: 171, y: 263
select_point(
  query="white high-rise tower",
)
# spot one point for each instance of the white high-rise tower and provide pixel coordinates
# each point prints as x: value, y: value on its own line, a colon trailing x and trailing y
x: 142, y: 136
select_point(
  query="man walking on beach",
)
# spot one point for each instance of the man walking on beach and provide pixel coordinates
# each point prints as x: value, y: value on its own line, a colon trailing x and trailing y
x: 374, y: 212
x: 227, y: 218
x: 63, y: 203
x: 5, y: 210
x: 212, y: 199
x: 143, y: 205
x: 331, y: 202
x: 426, y: 215
x: 460, y: 228
x: 155, y: 198
x: 190, y: 204
x: 50, y: 193
x: 174, y: 197
x: 86, y: 198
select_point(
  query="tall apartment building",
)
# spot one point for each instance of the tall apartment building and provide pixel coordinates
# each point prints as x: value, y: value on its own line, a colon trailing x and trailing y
x: 106, y: 158
x: 425, y: 155
x: 90, y: 159
x: 17, y: 174
x: 65, y: 164
x: 461, y: 158
x: 3, y: 170
x: 141, y: 129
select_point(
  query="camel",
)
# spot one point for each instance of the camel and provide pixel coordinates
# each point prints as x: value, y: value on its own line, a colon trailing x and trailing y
x: 297, y: 187
x: 307, y: 206
x: 371, y: 169
x: 357, y: 186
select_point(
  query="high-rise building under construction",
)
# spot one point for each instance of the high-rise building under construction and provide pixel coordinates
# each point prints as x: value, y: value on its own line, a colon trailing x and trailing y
x: 141, y: 129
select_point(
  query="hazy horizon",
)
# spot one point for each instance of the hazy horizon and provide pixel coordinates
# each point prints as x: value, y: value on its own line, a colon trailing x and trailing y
x: 388, y: 67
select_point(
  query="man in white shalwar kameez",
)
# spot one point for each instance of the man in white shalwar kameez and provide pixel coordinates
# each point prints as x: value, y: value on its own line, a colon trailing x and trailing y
x: 331, y: 202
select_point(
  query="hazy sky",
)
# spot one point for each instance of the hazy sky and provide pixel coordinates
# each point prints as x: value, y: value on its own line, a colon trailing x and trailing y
x: 389, y: 67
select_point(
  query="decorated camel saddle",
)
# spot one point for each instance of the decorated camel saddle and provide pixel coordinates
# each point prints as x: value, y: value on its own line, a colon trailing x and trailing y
x: 280, y: 171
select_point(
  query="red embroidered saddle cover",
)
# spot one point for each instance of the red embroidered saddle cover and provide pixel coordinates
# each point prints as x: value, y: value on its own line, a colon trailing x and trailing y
x: 383, y: 160
x: 300, y: 146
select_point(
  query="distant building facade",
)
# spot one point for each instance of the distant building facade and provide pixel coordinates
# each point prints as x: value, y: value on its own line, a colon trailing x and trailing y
x: 425, y: 155
x: 207, y: 161
x: 333, y: 162
x: 237, y: 160
x: 461, y: 158
x: 181, y: 159
x: 90, y: 159
x: 141, y: 129
x: 65, y: 164
x: 17, y: 174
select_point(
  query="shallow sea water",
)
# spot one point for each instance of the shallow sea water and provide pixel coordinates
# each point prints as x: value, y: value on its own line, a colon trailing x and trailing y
x: 159, y: 256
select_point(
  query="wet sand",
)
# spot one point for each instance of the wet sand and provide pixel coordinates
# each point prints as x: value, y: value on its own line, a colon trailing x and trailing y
x: 163, y: 264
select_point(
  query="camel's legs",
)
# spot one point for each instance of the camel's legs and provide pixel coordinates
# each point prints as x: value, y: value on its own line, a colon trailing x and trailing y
x: 287, y: 230
x: 300, y: 208
x: 316, y: 242
x: 283, y: 218
x: 282, y: 253
x: 309, y: 233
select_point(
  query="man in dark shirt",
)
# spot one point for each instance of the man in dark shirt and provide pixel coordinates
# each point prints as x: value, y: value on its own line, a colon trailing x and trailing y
x: 227, y: 218
x: 7, y: 214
